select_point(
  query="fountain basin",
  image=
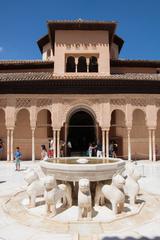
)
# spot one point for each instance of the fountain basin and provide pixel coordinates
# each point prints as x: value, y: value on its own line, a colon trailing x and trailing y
x: 67, y: 169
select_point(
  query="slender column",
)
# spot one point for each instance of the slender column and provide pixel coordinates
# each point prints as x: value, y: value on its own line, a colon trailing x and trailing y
x: 54, y: 143
x: 11, y: 144
x: 129, y: 144
x: 150, y: 144
x: 103, y: 143
x: 33, y: 145
x: 107, y: 143
x: 8, y: 142
x: 76, y: 64
x: 58, y: 141
x: 87, y: 61
x: 154, y: 145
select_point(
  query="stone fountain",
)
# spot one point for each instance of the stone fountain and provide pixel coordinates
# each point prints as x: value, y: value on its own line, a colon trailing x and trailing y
x: 73, y: 169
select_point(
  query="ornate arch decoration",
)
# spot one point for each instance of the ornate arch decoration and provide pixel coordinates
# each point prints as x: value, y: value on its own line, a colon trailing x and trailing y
x: 77, y: 108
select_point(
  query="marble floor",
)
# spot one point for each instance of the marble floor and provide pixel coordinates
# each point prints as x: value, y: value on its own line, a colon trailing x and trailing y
x: 17, y: 224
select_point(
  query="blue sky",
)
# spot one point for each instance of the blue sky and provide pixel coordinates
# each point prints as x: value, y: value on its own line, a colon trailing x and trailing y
x: 23, y: 22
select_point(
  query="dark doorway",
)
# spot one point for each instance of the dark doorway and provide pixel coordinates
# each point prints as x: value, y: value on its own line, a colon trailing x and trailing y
x: 81, y: 131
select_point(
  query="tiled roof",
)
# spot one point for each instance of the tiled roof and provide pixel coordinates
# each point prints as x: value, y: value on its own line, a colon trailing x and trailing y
x: 36, y: 61
x: 35, y: 76
x: 135, y: 63
x: 25, y: 64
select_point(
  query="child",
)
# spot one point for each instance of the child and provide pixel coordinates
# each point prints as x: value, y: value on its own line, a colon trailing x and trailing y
x: 17, y: 156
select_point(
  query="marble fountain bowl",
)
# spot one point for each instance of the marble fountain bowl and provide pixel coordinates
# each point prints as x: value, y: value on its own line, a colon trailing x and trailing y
x: 75, y: 168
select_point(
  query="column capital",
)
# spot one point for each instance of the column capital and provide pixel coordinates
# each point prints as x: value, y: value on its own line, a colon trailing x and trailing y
x: 152, y: 128
x: 56, y: 129
x: 10, y: 128
x: 106, y: 129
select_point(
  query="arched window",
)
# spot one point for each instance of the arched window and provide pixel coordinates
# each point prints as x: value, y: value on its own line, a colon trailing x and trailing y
x: 70, y: 66
x: 93, y: 65
x: 82, y: 64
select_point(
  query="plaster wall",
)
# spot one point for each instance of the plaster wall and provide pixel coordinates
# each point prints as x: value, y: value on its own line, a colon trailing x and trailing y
x: 81, y: 43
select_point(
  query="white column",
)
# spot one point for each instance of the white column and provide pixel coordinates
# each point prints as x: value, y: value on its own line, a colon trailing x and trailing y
x: 87, y: 61
x: 76, y: 63
x: 58, y: 141
x: 154, y: 145
x: 150, y: 144
x: 54, y: 143
x: 103, y: 143
x: 33, y: 145
x: 107, y: 143
x: 8, y: 146
x: 129, y: 144
x: 11, y: 144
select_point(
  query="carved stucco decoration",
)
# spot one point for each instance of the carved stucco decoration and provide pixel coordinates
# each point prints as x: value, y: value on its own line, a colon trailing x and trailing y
x: 23, y: 102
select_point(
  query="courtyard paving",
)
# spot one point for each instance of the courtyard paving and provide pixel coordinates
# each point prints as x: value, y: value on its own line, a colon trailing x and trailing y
x: 16, y: 223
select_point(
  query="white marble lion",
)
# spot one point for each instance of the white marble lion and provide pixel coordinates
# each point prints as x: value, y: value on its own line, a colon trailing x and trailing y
x: 114, y: 194
x: 131, y: 187
x: 55, y: 193
x: 84, y: 199
x: 35, y: 187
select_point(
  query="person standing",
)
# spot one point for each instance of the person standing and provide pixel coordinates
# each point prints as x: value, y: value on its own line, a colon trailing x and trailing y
x: 90, y: 150
x: 69, y: 148
x: 44, y: 155
x: 115, y: 150
x: 1, y: 149
x: 99, y: 150
x: 62, y: 148
x: 17, y: 156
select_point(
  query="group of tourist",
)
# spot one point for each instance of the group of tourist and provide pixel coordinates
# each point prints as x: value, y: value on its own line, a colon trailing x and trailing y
x: 95, y: 150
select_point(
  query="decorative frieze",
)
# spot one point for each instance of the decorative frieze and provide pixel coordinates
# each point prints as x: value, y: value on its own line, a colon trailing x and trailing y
x: 23, y: 102
x: 44, y: 102
x: 118, y: 101
x: 138, y: 102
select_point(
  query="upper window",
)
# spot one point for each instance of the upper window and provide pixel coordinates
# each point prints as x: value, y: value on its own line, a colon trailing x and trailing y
x: 93, y: 65
x: 82, y: 64
x: 70, y: 66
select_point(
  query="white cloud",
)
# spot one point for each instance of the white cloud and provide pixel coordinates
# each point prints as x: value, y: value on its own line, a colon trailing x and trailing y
x: 1, y: 49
